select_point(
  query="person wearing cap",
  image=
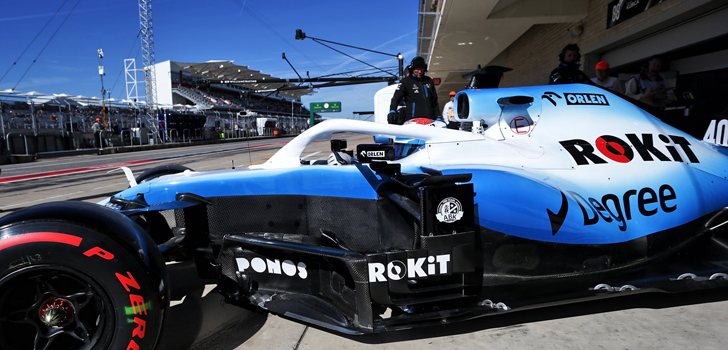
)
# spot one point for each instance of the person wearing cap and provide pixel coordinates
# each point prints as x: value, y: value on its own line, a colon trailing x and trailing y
x: 604, y: 80
x: 418, y: 93
x: 96, y: 128
x: 448, y: 113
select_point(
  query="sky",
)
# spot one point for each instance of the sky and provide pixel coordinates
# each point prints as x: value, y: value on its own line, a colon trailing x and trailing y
x: 62, y: 37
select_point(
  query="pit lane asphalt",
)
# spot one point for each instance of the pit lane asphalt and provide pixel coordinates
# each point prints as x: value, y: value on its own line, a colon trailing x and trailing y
x: 202, y: 321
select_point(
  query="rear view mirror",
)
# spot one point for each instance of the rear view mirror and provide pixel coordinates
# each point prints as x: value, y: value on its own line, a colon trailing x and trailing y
x: 337, y: 145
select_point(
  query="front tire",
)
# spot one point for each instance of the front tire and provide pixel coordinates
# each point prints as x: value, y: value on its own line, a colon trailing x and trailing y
x: 67, y: 286
x: 161, y: 170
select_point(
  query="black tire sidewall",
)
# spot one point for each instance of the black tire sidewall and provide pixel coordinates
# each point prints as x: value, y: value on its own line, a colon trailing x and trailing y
x: 120, y: 275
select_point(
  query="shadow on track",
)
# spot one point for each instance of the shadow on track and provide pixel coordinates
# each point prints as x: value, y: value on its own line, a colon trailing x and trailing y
x: 234, y: 333
x: 513, y: 319
x: 203, y: 320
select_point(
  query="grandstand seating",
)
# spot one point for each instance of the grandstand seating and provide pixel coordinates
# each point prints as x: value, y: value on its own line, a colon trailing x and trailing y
x: 222, y: 97
x: 194, y: 96
x: 214, y: 109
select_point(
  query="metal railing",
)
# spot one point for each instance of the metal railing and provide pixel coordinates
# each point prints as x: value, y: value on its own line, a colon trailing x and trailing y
x: 25, y: 143
x: 68, y: 141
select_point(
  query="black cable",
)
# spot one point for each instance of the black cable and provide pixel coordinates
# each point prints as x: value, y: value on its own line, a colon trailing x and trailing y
x: 133, y: 45
x: 370, y: 73
x: 350, y: 56
x: 32, y: 41
x: 356, y: 71
x: 352, y: 46
x: 292, y: 67
x: 46, y: 44
x: 272, y: 30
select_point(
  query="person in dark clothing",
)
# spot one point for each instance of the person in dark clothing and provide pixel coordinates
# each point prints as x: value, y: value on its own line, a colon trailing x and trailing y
x: 568, y: 71
x: 418, y: 93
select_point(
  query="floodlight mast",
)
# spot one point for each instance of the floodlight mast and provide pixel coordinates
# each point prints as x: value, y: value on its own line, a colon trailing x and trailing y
x: 100, y: 53
x: 148, y: 62
x: 323, y: 81
x: 283, y: 55
x: 300, y: 35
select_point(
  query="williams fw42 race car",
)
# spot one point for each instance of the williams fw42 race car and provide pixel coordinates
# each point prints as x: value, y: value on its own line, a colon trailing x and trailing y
x: 555, y: 194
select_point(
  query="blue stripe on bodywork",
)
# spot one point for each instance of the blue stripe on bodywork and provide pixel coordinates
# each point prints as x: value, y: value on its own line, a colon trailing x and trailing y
x: 517, y: 204
x: 329, y: 181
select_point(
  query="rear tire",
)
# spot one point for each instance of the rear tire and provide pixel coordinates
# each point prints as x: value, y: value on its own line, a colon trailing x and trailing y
x: 66, y: 286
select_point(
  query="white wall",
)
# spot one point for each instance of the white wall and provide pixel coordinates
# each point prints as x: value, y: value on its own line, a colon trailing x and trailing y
x: 382, y: 99
x: 162, y: 71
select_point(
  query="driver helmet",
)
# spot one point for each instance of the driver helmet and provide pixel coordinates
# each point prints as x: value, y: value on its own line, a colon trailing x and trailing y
x: 333, y: 160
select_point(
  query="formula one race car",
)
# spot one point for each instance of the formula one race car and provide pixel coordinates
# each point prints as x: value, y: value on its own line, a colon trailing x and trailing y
x: 557, y: 194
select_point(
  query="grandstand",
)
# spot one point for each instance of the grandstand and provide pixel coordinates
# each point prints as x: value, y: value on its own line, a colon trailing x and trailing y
x: 196, y: 88
x: 191, y: 104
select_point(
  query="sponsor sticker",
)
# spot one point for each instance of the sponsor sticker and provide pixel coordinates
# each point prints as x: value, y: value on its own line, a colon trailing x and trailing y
x: 375, y: 154
x: 617, y: 208
x: 449, y: 210
x: 586, y: 99
x: 665, y: 148
x: 396, y: 270
x: 367, y: 152
x: 274, y: 266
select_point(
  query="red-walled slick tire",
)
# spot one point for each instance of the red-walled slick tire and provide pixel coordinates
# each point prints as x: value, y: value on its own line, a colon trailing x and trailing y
x: 66, y: 286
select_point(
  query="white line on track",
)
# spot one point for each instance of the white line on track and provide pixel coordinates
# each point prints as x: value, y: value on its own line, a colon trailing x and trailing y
x: 47, y: 198
x: 310, y: 155
x: 111, y: 185
x: 159, y: 152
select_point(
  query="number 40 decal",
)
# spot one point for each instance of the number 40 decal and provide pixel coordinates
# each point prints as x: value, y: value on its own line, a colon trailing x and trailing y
x: 717, y: 132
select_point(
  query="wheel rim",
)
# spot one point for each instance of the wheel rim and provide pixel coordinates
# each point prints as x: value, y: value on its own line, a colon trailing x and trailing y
x: 53, y: 308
